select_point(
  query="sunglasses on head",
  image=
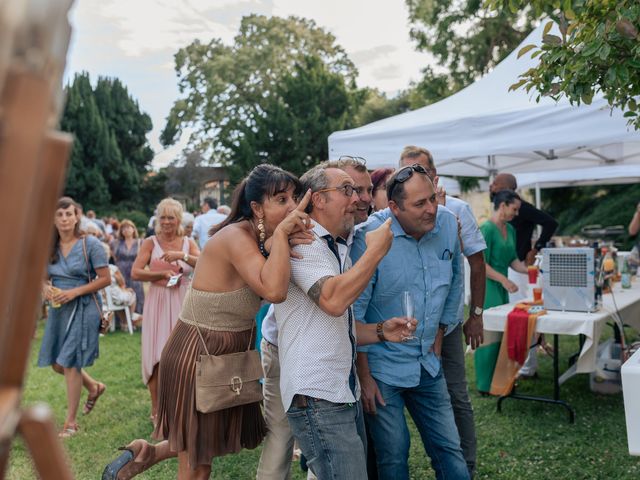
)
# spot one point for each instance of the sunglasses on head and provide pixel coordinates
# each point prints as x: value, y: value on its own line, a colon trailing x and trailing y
x: 351, y: 157
x: 405, y: 174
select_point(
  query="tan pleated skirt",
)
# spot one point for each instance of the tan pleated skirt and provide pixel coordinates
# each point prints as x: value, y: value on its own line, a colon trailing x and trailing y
x: 202, y: 435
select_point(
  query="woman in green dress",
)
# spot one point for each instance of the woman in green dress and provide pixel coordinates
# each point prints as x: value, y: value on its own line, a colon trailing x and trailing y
x: 500, y: 254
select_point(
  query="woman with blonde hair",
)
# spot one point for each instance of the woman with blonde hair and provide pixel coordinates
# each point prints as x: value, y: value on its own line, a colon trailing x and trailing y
x: 125, y: 249
x: 170, y: 258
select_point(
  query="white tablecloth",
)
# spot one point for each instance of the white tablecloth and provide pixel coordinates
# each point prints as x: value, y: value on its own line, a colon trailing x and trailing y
x: 575, y: 323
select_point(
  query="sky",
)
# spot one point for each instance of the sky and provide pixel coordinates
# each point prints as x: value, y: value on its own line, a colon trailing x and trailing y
x: 135, y: 40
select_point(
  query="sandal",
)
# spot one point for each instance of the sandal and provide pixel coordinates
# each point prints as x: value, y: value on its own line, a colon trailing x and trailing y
x: 91, y: 400
x: 69, y: 430
x: 125, y: 467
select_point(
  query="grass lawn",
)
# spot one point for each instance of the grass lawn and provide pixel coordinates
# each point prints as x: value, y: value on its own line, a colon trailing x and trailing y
x: 528, y: 440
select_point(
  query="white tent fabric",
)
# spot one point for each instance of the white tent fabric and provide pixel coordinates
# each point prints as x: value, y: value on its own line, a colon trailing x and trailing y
x: 604, y: 175
x: 484, y: 129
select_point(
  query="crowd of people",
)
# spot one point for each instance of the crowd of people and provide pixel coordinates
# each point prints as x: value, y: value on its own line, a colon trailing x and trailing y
x: 364, y: 272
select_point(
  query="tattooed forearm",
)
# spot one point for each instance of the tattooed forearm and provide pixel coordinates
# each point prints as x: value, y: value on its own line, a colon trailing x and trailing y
x: 316, y: 289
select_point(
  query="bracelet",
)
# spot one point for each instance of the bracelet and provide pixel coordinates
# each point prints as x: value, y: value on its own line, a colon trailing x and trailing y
x: 380, y: 332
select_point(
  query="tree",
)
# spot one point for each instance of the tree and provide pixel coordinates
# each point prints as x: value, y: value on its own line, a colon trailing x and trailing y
x: 465, y: 38
x: 305, y: 107
x: 227, y: 89
x: 185, y: 176
x: 598, y: 50
x: 110, y: 155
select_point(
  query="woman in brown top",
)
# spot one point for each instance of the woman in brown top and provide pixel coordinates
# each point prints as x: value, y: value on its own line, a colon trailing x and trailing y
x: 233, y: 272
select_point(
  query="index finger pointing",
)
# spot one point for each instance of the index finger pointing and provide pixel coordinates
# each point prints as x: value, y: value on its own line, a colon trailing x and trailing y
x: 305, y: 201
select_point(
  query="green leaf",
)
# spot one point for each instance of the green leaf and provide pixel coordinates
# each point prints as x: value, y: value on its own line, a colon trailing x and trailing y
x: 552, y: 40
x: 630, y: 114
x: 587, y: 98
x: 525, y: 49
x: 536, y: 53
x: 547, y: 27
x: 604, y: 51
x: 517, y: 85
x: 567, y: 8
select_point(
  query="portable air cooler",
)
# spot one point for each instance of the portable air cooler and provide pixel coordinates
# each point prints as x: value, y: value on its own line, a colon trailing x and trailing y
x: 568, y: 279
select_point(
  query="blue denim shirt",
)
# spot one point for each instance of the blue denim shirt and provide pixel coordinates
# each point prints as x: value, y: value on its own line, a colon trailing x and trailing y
x: 430, y: 269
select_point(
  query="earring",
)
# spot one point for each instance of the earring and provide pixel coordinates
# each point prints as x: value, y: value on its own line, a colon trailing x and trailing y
x: 262, y: 235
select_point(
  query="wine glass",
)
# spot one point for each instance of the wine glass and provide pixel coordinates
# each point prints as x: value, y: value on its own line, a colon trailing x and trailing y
x: 408, y: 310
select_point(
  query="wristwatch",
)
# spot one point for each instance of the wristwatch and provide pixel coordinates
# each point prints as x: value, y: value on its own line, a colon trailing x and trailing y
x: 185, y: 258
x: 477, y: 311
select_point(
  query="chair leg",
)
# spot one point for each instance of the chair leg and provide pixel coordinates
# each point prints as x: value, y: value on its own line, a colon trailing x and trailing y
x: 127, y: 313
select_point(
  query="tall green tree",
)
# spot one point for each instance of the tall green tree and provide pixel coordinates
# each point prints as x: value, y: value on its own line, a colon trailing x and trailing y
x: 226, y: 89
x: 305, y: 107
x: 110, y: 155
x: 465, y: 38
x: 597, y: 50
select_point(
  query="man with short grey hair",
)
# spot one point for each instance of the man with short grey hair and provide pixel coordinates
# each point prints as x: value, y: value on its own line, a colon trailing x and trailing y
x: 203, y: 223
x: 317, y: 335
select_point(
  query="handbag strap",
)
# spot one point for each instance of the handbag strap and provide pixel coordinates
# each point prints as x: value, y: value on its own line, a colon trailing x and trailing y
x: 86, y: 260
x: 195, y: 323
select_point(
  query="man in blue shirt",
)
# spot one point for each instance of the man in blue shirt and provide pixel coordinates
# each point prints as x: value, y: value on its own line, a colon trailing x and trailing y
x: 424, y: 260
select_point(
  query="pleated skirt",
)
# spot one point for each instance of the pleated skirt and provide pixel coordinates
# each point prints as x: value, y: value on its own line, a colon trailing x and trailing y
x: 202, y: 435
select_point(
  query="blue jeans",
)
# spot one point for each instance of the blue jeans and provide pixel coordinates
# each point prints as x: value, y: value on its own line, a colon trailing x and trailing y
x: 331, y: 437
x: 430, y: 407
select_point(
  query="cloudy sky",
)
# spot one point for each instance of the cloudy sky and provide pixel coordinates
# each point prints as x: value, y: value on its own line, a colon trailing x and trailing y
x: 135, y: 40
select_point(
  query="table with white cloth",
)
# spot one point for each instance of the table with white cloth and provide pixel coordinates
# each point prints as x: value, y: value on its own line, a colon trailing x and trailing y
x: 626, y: 302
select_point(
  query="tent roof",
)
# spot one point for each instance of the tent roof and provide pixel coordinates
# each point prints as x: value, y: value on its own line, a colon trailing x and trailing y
x: 603, y: 175
x: 484, y: 128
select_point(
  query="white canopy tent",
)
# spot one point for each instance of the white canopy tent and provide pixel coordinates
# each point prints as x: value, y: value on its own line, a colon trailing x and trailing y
x: 485, y: 129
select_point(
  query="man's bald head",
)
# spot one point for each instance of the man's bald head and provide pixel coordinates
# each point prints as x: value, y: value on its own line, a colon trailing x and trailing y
x: 503, y: 181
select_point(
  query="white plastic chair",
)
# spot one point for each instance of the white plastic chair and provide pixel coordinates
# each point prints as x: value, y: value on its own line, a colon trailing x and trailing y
x: 109, y: 306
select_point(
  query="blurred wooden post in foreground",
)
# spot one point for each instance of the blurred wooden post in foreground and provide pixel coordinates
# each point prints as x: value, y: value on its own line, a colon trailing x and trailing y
x: 34, y: 37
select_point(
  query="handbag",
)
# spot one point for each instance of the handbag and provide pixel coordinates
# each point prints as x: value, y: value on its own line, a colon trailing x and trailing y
x: 105, y: 322
x: 226, y: 381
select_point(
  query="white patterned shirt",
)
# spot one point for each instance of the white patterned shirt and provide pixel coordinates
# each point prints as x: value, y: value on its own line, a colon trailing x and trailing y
x: 317, y: 350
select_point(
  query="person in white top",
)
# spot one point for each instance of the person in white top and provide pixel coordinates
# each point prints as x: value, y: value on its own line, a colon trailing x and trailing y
x: 203, y: 223
x: 317, y: 334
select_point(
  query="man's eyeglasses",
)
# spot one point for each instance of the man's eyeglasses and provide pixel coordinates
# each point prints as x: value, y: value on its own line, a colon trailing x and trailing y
x: 346, y: 189
x: 350, y: 157
x: 405, y: 174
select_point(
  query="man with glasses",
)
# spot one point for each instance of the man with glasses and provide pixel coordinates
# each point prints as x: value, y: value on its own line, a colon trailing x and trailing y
x: 317, y: 334
x: 473, y: 246
x: 423, y: 265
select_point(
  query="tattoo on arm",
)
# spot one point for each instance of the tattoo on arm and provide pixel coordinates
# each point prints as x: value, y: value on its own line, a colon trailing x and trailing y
x: 316, y: 289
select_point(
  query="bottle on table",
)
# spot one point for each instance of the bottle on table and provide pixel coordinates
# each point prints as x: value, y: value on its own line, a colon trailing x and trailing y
x: 625, y: 276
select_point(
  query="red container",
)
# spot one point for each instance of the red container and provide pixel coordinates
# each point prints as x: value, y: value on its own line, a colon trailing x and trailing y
x: 532, y: 270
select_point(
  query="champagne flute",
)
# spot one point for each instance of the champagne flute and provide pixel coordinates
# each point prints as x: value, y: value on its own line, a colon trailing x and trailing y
x: 408, y: 310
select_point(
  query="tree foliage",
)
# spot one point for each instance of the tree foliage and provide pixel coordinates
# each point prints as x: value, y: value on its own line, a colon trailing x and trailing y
x: 110, y: 153
x: 305, y: 107
x: 465, y: 38
x: 227, y: 90
x: 598, y: 50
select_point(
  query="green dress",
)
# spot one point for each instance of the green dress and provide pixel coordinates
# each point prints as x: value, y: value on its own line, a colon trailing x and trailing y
x: 499, y: 254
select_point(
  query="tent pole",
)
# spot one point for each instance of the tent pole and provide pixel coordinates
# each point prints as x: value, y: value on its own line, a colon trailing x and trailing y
x: 538, y: 196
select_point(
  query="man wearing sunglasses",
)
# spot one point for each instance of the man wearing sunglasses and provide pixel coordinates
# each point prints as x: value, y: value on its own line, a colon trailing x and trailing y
x: 317, y: 334
x: 473, y: 246
x: 423, y: 264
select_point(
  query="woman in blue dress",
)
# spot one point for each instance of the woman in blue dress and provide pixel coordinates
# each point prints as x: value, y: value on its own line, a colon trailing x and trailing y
x: 125, y: 250
x: 70, y: 341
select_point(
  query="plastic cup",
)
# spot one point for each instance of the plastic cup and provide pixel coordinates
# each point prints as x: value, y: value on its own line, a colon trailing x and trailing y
x: 55, y: 291
x: 532, y: 270
x: 537, y: 294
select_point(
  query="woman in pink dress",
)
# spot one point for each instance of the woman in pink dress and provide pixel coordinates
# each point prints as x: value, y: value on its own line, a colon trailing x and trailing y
x: 168, y: 254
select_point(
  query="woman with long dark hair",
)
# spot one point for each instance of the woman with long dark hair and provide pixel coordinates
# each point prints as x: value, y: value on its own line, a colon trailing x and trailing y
x: 70, y: 342
x: 500, y: 254
x: 246, y: 259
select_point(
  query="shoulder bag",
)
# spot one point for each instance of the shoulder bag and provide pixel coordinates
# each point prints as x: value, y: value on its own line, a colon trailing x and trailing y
x: 105, y: 321
x: 226, y: 381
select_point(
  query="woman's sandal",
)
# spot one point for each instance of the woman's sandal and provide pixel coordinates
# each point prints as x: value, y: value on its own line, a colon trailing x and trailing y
x: 91, y: 400
x: 69, y: 430
x: 125, y: 467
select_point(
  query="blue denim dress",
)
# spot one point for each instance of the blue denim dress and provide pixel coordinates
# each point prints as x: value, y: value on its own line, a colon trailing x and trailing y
x: 71, y: 334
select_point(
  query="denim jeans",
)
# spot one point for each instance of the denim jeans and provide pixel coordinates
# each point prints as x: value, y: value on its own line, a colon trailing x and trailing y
x: 429, y: 406
x: 454, y: 373
x: 332, y: 438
